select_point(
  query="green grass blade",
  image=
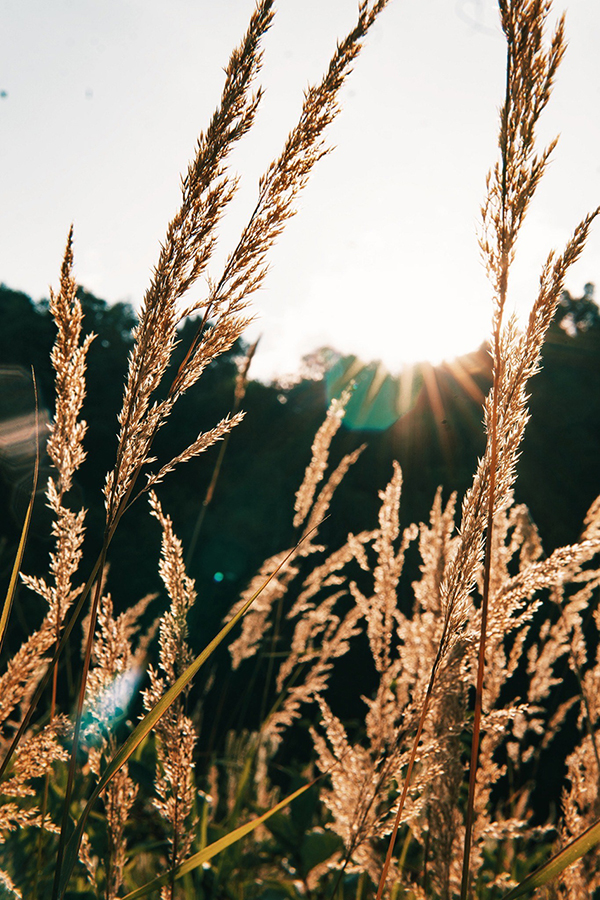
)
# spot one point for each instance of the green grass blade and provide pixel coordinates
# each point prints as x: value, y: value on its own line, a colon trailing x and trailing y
x: 146, y: 726
x: 14, y: 578
x: 571, y: 853
x: 204, y: 855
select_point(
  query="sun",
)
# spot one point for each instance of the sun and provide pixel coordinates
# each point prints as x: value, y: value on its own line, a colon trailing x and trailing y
x: 365, y: 313
x: 380, y: 399
x: 368, y: 311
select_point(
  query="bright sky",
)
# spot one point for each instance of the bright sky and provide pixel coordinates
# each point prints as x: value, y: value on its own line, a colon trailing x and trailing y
x: 101, y: 103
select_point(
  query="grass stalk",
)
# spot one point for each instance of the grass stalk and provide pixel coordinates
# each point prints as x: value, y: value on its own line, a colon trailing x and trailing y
x: 491, y: 502
x: 66, y: 816
x: 411, y: 761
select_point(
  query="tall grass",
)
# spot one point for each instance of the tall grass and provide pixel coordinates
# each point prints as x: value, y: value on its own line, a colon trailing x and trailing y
x: 414, y: 800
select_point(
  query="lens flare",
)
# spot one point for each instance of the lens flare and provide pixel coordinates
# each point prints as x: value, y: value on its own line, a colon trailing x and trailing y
x: 111, y: 703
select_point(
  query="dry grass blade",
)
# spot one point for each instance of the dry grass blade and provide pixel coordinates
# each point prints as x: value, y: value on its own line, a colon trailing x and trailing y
x: 45, y: 679
x: 319, y: 457
x: 511, y: 184
x: 530, y: 73
x: 410, y: 767
x: 284, y: 179
x: 66, y: 453
x: 144, y: 728
x: 206, y: 191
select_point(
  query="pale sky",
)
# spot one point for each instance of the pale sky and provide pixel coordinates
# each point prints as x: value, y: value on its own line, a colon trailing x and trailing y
x: 101, y: 102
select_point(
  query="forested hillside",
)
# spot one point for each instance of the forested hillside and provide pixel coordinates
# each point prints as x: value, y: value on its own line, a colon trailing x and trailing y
x: 429, y: 420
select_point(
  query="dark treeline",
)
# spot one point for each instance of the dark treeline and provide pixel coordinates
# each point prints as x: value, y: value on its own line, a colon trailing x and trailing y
x: 431, y: 424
